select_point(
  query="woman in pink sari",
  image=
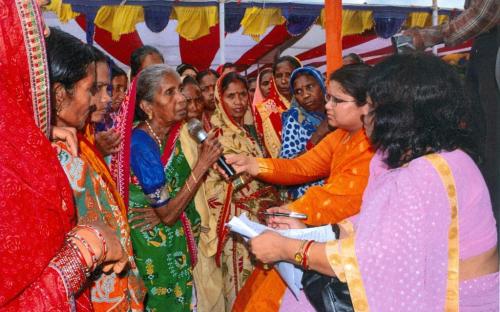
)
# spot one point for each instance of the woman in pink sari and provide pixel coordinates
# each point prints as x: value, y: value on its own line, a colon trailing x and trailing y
x: 425, y: 239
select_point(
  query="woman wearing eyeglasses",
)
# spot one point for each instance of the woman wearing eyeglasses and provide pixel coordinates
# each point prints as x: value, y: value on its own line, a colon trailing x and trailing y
x: 342, y: 159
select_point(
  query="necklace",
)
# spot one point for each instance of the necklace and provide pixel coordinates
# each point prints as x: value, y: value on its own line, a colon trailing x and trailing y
x: 153, y: 133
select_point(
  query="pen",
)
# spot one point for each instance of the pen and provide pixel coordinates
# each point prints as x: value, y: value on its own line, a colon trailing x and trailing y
x: 295, y: 215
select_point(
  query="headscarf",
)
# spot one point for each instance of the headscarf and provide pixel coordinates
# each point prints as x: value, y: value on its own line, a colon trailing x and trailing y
x: 36, y: 203
x: 258, y: 97
x: 120, y: 163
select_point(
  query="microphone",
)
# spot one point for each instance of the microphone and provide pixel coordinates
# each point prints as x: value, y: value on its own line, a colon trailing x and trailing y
x: 195, y: 129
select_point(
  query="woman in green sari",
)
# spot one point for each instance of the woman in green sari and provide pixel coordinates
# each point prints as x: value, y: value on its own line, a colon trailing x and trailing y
x: 165, y: 223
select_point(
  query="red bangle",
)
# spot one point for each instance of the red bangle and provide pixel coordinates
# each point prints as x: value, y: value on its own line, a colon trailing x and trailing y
x: 306, y: 255
x: 80, y: 256
x: 100, y: 236
x: 309, y: 145
x: 89, y: 248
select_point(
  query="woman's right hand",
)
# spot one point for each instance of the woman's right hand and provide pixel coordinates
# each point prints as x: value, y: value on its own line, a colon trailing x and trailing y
x: 210, y: 151
x: 242, y: 163
x: 116, y: 258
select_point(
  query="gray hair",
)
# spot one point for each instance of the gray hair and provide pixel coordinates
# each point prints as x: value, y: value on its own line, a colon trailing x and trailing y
x: 148, y: 83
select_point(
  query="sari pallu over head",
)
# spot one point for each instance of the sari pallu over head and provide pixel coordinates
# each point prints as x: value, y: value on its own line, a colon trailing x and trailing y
x: 222, y: 198
x: 36, y: 204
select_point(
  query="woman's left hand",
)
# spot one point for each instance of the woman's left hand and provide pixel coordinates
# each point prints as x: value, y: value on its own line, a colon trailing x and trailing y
x: 268, y: 247
x: 67, y: 135
x: 148, y: 217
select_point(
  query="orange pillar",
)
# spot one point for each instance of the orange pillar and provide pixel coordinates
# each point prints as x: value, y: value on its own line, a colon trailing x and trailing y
x: 333, y: 31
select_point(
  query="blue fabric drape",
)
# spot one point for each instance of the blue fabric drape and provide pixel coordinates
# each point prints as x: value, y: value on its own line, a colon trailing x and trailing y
x: 156, y: 17
x: 388, y: 22
x: 299, y: 18
x: 90, y: 13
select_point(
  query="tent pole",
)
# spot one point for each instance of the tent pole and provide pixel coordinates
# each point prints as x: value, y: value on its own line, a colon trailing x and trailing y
x: 435, y: 21
x: 222, y: 32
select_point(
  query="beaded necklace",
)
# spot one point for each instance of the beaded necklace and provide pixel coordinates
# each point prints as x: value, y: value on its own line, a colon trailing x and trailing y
x: 154, y: 134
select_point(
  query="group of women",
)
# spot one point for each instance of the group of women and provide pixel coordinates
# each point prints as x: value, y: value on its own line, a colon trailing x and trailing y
x: 386, y: 153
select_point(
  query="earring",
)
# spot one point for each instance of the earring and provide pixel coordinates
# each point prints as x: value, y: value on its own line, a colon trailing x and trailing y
x: 150, y: 116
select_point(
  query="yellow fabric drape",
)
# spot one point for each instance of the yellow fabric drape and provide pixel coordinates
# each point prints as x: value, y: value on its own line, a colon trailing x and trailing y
x: 256, y: 20
x: 63, y: 11
x: 353, y: 21
x: 119, y: 20
x: 423, y: 19
x: 195, y: 22
x: 356, y: 22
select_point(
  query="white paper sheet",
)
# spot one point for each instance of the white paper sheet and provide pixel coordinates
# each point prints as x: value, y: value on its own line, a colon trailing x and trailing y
x: 291, y: 274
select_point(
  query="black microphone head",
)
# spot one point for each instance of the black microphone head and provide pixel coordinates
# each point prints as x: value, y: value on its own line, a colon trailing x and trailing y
x: 195, y: 129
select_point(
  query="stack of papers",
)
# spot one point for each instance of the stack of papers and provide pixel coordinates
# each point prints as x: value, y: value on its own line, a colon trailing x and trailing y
x: 291, y: 274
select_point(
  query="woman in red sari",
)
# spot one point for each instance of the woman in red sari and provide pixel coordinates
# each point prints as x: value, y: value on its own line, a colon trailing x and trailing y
x: 268, y: 112
x: 40, y: 269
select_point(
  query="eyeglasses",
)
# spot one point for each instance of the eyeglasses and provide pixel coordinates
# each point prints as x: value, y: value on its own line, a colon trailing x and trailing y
x: 335, y: 101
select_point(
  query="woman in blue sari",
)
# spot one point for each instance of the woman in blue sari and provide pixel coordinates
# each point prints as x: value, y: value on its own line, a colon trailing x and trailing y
x: 304, y: 124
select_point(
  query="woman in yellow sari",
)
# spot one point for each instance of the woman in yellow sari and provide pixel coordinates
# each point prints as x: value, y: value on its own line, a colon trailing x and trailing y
x: 251, y: 196
x: 268, y: 112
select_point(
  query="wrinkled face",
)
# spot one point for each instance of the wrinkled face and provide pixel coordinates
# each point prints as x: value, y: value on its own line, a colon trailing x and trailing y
x: 101, y: 98
x: 151, y: 59
x: 251, y: 89
x: 73, y: 106
x: 169, y: 105
x: 194, y: 101
x: 341, y: 109
x: 265, y: 83
x: 235, y: 99
x: 119, y: 85
x: 207, y: 85
x: 282, y: 75
x: 308, y: 93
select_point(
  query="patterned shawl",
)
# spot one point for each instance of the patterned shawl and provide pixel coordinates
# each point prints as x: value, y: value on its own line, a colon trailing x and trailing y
x: 36, y: 204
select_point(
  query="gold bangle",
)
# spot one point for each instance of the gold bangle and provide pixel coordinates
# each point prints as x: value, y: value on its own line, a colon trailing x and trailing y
x: 194, y: 178
x: 187, y: 184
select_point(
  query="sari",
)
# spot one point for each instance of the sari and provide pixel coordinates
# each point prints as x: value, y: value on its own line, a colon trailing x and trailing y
x: 267, y: 120
x: 165, y: 254
x: 229, y: 250
x: 96, y: 199
x: 416, y: 222
x: 298, y: 127
x: 36, y: 205
x: 207, y: 276
x: 343, y: 159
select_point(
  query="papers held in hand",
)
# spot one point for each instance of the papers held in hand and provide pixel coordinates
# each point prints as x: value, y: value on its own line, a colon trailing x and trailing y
x: 291, y: 274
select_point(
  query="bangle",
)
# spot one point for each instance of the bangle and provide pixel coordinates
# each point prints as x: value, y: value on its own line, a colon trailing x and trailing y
x: 299, y: 255
x: 99, y: 235
x: 78, y: 252
x: 305, y: 259
x: 84, y: 242
x: 194, y: 178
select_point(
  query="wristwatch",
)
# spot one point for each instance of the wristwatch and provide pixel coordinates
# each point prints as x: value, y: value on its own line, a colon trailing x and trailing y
x: 299, y: 255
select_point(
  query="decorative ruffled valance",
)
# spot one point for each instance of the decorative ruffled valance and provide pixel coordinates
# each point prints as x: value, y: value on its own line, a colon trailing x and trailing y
x: 195, y: 19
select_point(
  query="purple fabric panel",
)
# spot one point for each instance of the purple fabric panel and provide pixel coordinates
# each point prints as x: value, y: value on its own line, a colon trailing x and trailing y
x: 480, y: 294
x: 402, y: 231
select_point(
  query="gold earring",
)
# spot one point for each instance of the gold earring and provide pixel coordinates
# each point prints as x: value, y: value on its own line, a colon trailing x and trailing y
x: 150, y: 116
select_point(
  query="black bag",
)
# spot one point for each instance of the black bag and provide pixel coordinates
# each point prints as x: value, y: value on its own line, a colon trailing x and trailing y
x: 325, y: 293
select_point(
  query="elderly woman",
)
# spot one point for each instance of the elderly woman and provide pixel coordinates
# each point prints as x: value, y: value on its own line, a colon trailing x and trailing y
x: 42, y: 268
x: 162, y: 185
x: 94, y: 191
x: 305, y: 123
x: 267, y: 115
x: 425, y: 239
x: 226, y: 199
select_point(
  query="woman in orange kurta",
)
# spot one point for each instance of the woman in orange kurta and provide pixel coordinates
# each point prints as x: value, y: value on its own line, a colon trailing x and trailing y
x: 342, y: 158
